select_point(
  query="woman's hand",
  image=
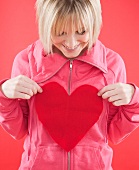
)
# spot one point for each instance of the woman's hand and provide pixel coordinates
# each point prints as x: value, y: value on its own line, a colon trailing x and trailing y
x: 119, y: 93
x: 20, y: 87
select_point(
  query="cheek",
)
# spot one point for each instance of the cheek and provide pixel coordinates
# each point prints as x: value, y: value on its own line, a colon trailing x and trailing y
x: 85, y: 38
x: 57, y: 40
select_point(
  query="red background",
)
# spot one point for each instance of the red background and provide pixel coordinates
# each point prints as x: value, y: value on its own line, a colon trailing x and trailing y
x: 18, y: 29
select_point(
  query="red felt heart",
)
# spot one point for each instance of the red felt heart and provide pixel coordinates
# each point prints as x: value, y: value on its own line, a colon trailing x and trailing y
x: 67, y: 118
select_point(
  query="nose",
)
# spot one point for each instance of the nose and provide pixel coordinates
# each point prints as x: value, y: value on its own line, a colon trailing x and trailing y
x: 71, y: 41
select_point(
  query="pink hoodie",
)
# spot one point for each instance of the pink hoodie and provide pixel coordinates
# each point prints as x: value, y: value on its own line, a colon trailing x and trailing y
x: 75, y: 81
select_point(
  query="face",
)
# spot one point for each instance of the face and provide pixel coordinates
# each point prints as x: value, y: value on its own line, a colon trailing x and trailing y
x: 70, y: 43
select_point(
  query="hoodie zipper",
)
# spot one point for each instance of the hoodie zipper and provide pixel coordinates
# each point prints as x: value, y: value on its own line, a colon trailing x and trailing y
x: 69, y: 91
x: 70, y: 74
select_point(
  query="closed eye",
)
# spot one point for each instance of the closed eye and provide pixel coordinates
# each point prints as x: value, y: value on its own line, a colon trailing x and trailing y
x: 62, y: 33
x: 77, y: 32
x: 81, y: 33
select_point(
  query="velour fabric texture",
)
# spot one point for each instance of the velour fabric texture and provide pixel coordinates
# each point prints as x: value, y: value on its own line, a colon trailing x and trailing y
x: 67, y: 118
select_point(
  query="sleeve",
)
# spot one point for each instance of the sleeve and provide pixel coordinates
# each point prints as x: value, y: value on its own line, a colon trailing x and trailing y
x: 124, y: 119
x: 14, y: 112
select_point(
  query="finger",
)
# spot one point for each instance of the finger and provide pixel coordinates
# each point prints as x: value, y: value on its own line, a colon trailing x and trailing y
x: 28, y: 83
x: 34, y: 86
x: 109, y: 94
x: 25, y: 87
x: 121, y: 102
x: 19, y: 95
x: 116, y: 98
x: 106, y: 89
x: 24, y: 90
x: 31, y: 87
x: 118, y: 103
x: 113, y: 98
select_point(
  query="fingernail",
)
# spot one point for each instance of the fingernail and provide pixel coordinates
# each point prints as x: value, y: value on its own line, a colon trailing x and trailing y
x: 40, y: 90
x: 98, y: 94
x: 27, y: 97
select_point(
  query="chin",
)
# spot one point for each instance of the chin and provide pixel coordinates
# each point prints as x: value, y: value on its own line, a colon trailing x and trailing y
x: 71, y: 56
x: 74, y: 54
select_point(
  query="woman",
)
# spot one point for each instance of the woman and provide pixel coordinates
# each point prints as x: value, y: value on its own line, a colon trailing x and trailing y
x: 68, y: 93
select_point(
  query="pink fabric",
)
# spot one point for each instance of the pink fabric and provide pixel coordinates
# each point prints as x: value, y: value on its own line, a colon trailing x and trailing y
x: 99, y: 67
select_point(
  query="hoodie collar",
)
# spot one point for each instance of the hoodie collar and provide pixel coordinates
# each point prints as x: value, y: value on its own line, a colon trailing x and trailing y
x: 49, y: 64
x: 96, y: 57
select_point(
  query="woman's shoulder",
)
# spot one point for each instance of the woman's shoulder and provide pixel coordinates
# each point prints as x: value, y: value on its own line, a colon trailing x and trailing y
x: 110, y: 55
x: 27, y: 57
x: 29, y: 52
x: 114, y: 60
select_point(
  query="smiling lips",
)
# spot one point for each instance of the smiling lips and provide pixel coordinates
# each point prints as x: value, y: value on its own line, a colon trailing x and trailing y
x: 71, y: 49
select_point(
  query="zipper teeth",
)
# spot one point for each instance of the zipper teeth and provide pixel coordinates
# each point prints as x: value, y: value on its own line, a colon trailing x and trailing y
x: 69, y: 86
x: 69, y: 160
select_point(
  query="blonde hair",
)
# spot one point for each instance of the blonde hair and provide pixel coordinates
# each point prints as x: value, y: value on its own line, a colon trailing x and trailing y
x: 52, y: 16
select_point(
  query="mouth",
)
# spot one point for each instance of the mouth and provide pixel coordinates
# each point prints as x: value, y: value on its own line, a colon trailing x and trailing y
x: 70, y: 49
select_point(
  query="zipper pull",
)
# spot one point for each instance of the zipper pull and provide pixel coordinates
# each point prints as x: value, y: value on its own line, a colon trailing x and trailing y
x: 71, y: 64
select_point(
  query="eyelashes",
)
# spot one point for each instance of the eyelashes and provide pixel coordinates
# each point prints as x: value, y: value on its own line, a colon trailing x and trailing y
x: 81, y: 33
x: 77, y: 32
